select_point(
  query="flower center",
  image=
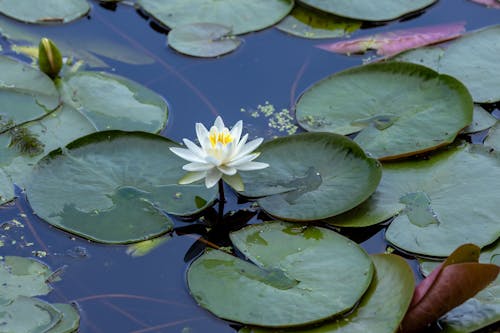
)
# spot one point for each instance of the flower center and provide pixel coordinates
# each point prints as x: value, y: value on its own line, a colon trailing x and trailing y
x: 223, y: 137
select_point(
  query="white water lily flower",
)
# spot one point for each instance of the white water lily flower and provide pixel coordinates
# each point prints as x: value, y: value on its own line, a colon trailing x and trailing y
x: 222, y: 154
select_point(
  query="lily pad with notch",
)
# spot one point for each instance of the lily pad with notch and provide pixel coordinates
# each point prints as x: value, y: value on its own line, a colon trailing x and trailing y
x: 470, y: 58
x: 297, y: 275
x: 240, y: 15
x: 422, y: 196
x: 204, y: 40
x: 308, y: 23
x: 312, y: 176
x: 433, y: 109
x: 380, y: 310
x: 45, y: 11
x: 367, y: 10
x: 114, y: 187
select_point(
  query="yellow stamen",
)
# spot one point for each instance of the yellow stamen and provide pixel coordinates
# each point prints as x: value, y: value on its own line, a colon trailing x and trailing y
x: 223, y: 137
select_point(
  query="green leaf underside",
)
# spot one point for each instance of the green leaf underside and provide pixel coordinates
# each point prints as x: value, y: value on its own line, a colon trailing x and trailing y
x: 240, y: 15
x: 470, y: 58
x: 299, y: 275
x: 113, y: 187
x: 22, y: 277
x: 28, y: 315
x: 382, y: 307
x: 367, y: 10
x: 391, y: 124
x: 481, y: 310
x: 44, y: 11
x: 203, y: 40
x: 493, y: 138
x: 311, y: 176
x: 309, y: 23
x: 456, y: 175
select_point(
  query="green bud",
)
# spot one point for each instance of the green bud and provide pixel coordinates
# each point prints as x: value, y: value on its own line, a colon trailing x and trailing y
x: 49, y: 57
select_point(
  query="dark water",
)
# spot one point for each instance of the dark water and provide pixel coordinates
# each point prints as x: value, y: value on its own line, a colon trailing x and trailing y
x: 118, y: 293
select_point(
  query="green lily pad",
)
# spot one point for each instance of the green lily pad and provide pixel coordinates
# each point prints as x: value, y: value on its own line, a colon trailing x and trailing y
x: 22, y: 277
x: 470, y: 58
x: 309, y: 23
x: 240, y: 15
x: 312, y: 176
x: 481, y: 310
x: 25, y: 93
x: 44, y: 11
x: 113, y: 187
x: 70, y: 320
x: 28, y: 315
x: 382, y: 307
x: 430, y: 113
x: 113, y: 102
x: 299, y: 275
x: 367, y: 10
x: 493, y: 138
x: 203, y: 40
x: 481, y: 120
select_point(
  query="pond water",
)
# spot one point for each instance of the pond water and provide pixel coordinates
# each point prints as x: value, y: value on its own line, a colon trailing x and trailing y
x: 120, y: 293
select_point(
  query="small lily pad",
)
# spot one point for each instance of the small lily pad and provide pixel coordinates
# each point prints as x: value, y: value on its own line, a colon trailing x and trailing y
x: 313, y: 24
x: 203, y: 40
x: 22, y: 277
x: 28, y: 315
x: 240, y: 15
x: 367, y: 10
x: 470, y: 58
x: 481, y: 121
x: 114, y: 187
x: 70, y: 320
x: 298, y: 275
x: 45, y: 11
x: 382, y: 307
x: 493, y: 138
x: 311, y: 176
x: 368, y: 99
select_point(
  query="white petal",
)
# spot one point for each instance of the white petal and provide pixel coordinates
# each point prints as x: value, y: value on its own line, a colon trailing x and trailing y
x: 248, y: 148
x: 236, y: 131
x: 194, y: 148
x: 202, y: 135
x: 191, y: 177
x: 252, y: 166
x: 243, y: 160
x: 227, y: 170
x: 235, y: 182
x: 212, y: 177
x: 212, y: 160
x: 187, y: 154
x: 219, y: 124
x: 197, y: 167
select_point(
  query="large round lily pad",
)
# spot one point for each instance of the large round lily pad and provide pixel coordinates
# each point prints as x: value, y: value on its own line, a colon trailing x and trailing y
x: 44, y: 11
x: 367, y: 10
x: 203, y: 40
x: 471, y: 59
x: 424, y: 195
x: 298, y: 275
x: 313, y: 24
x: 114, y: 187
x: 113, y: 102
x: 382, y: 307
x: 240, y: 15
x: 28, y: 315
x: 25, y: 93
x: 399, y: 109
x: 312, y: 176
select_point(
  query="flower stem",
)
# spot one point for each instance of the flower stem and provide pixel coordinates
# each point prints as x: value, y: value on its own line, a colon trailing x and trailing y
x: 222, y: 201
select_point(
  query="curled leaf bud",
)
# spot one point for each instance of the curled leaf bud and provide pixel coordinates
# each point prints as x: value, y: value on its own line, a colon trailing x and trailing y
x: 49, y: 57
